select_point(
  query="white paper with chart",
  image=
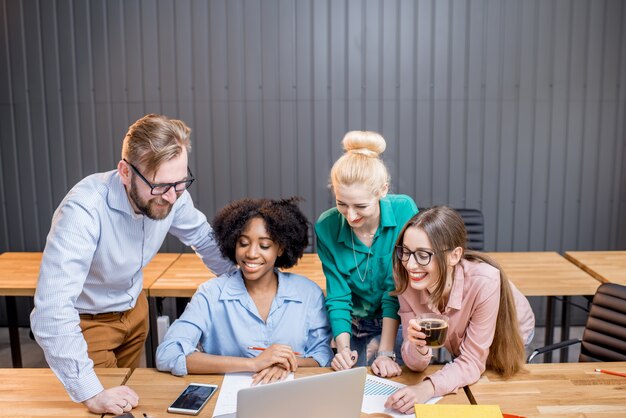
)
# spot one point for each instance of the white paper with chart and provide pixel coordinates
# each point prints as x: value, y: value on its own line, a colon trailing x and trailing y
x: 376, y: 392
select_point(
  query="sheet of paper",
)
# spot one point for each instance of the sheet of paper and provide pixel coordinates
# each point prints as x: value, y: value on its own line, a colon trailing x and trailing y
x: 232, y: 383
x: 376, y: 392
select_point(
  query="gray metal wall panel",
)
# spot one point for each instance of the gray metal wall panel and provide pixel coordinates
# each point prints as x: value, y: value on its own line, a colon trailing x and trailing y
x: 516, y: 108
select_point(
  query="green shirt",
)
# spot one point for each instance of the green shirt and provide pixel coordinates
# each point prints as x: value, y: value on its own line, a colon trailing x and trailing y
x: 346, y: 294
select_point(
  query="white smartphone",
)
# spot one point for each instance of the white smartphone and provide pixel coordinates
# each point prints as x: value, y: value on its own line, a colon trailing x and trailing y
x: 192, y: 399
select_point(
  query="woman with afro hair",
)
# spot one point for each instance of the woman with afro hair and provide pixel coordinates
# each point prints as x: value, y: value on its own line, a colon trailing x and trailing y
x: 255, y: 306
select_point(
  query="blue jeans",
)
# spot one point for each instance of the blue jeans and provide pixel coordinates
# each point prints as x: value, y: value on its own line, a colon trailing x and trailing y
x: 366, y: 339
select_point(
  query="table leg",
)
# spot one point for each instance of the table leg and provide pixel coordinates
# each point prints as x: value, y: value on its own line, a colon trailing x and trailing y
x: 549, y: 337
x: 470, y: 395
x: 181, y: 304
x: 153, y: 339
x: 565, y: 323
x: 14, y: 333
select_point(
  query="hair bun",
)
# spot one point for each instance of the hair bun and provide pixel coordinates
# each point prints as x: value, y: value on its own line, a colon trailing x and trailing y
x: 368, y: 143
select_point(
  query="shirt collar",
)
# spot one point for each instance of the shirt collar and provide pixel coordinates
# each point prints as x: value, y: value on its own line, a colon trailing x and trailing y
x: 387, y: 220
x: 118, y: 198
x: 235, y: 288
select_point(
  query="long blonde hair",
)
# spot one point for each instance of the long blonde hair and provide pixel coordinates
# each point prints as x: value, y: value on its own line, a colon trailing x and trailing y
x: 361, y: 163
x: 446, y: 230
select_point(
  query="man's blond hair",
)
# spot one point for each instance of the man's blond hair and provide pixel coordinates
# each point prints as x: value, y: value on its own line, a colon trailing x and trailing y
x: 153, y: 140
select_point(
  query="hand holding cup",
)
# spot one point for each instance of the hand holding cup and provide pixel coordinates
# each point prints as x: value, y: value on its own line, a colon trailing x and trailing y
x: 428, y: 330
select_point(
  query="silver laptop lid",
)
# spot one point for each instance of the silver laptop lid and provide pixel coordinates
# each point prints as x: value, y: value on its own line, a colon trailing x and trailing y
x: 328, y: 395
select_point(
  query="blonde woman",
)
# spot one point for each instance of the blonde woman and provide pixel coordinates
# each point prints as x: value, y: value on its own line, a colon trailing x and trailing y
x: 490, y: 321
x: 355, y: 244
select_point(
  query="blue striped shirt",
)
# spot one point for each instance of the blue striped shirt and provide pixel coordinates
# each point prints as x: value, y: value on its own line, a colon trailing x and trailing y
x: 92, y: 263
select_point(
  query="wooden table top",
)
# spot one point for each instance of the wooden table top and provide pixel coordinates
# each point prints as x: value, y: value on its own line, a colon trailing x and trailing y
x: 606, y: 266
x: 38, y: 392
x: 157, y: 390
x: 557, y: 390
x: 545, y: 274
x: 182, y: 278
x: 19, y: 271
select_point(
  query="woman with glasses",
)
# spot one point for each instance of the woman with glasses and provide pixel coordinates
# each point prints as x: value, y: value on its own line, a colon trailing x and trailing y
x: 355, y: 243
x: 489, y: 320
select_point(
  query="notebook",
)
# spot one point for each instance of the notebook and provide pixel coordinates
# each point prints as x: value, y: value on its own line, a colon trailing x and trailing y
x: 328, y: 395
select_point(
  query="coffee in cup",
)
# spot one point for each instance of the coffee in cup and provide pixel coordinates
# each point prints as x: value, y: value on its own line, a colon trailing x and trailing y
x: 435, y: 327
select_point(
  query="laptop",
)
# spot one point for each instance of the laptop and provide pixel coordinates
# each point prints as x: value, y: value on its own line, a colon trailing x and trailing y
x: 328, y: 395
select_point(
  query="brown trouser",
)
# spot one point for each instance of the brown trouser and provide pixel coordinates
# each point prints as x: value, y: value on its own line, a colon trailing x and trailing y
x: 116, y: 339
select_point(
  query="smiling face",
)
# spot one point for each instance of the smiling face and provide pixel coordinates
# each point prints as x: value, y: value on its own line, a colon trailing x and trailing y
x: 358, y: 205
x: 139, y: 193
x: 420, y: 277
x: 256, y: 252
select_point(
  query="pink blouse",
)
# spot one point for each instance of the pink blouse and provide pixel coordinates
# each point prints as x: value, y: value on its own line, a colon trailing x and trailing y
x: 472, y: 310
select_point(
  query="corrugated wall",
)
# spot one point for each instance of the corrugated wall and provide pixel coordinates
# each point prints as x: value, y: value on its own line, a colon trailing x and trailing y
x: 513, y: 107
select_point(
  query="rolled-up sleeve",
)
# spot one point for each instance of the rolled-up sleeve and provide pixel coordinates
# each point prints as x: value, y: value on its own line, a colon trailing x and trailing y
x: 338, y: 292
x: 182, y: 337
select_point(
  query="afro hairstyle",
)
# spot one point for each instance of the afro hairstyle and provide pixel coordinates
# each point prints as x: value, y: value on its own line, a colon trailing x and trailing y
x: 286, y: 224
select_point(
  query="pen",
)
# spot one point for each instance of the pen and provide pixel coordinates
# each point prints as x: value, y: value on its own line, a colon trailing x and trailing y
x: 263, y: 349
x: 611, y: 372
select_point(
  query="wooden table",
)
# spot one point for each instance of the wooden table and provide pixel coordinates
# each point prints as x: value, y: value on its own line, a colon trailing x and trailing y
x: 38, y: 393
x: 547, y: 274
x: 606, y: 266
x: 557, y: 390
x: 157, y: 390
x: 181, y: 278
x: 19, y: 272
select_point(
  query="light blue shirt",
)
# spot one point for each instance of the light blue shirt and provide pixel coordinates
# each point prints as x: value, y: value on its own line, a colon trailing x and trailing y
x: 92, y: 263
x: 225, y: 321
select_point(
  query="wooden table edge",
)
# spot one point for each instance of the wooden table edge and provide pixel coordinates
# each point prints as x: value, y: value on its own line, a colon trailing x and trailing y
x: 147, y: 288
x: 584, y: 268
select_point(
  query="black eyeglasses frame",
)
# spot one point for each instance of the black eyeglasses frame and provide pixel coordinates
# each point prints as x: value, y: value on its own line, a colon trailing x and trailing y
x: 167, y: 186
x: 401, y: 252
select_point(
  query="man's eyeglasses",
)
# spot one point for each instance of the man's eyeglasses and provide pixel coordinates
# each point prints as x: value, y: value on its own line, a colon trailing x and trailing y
x: 422, y: 257
x: 159, y: 189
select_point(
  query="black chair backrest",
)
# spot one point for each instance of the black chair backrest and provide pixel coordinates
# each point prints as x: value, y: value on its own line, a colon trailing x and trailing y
x: 475, y: 226
x: 311, y: 248
x: 604, y: 338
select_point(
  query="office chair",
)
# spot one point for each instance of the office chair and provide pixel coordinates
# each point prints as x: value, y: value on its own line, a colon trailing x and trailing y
x: 311, y: 248
x: 474, y: 225
x: 604, y: 337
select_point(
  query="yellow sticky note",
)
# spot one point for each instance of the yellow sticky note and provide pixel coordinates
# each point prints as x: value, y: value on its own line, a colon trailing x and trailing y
x: 466, y: 411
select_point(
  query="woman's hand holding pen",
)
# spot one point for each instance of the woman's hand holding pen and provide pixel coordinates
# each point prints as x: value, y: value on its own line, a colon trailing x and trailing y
x: 417, y: 337
x: 277, y: 354
x: 344, y: 359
